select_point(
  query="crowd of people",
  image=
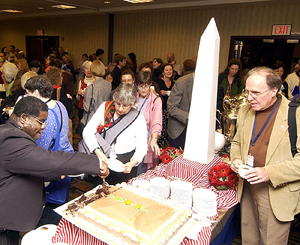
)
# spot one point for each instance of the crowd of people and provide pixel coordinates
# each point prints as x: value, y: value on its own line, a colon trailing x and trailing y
x: 128, y: 112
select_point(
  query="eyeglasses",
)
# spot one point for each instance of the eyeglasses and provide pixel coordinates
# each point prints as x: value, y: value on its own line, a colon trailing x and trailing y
x: 117, y: 104
x: 43, y: 124
x: 145, y: 87
x: 255, y: 94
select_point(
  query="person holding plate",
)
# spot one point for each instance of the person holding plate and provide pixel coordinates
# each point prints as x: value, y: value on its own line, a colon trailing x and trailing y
x: 269, y: 191
x: 118, y: 131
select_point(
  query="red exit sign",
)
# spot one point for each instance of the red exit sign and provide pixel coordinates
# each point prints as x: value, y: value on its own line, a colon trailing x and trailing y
x: 281, y: 30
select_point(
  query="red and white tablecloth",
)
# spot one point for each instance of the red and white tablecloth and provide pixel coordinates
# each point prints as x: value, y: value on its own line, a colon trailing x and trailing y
x: 179, y: 168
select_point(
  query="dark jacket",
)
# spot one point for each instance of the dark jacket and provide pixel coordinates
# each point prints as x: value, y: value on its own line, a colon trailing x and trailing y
x: 22, y: 167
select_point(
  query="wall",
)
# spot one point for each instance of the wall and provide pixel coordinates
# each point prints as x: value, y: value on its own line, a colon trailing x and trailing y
x: 82, y: 34
x: 154, y: 34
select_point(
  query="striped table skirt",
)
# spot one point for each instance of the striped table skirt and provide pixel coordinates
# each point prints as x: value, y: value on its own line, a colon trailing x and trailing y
x: 180, y: 168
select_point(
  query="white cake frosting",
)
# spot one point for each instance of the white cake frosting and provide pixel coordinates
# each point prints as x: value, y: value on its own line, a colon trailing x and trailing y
x: 180, y: 215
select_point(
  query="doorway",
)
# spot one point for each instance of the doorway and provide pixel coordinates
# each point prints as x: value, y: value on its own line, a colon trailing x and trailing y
x: 265, y: 50
x: 39, y: 47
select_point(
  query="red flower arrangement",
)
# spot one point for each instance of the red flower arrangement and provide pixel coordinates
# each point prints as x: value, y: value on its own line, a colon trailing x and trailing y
x: 222, y: 177
x: 168, y: 154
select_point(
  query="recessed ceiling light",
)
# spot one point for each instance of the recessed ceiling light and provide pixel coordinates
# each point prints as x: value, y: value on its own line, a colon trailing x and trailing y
x: 40, y: 8
x: 11, y: 11
x: 107, y: 2
x: 63, y: 7
x: 139, y: 1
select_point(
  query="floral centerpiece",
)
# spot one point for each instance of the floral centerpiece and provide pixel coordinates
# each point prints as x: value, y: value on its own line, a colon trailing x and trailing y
x: 222, y: 177
x: 168, y: 154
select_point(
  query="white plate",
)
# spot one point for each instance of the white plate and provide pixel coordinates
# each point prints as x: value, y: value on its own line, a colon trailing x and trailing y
x: 141, y: 184
x: 75, y: 175
x: 116, y: 165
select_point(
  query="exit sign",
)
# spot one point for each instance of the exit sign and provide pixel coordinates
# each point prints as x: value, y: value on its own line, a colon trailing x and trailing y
x: 281, y: 30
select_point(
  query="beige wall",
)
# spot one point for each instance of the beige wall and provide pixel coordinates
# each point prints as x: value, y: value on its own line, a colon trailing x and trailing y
x: 82, y: 34
x: 154, y: 34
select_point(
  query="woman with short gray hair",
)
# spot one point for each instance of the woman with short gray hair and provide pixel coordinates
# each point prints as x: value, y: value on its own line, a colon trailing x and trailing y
x: 118, y: 131
x: 126, y: 94
x: 9, y: 71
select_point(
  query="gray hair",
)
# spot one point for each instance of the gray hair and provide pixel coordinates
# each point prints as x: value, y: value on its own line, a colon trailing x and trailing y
x: 87, y: 64
x: 126, y: 94
x: 272, y: 78
x: 10, y: 71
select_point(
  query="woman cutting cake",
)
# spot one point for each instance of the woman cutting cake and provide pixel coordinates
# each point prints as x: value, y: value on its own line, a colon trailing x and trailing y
x: 118, y: 131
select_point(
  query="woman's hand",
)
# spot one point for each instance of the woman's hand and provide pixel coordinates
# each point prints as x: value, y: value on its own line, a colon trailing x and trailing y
x: 129, y: 165
x: 100, y: 154
x: 81, y: 92
x: 163, y: 92
x: 153, y: 144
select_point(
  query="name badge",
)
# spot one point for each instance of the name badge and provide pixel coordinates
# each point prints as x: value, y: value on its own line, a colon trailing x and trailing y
x: 250, y: 161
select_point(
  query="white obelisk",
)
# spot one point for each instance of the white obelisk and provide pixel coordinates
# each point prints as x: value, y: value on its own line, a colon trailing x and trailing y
x: 200, y: 137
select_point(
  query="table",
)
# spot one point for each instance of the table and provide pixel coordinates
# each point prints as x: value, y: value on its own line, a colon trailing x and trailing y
x: 179, y: 168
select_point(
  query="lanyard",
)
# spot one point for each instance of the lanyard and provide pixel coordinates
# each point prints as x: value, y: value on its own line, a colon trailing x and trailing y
x: 264, y: 126
x: 144, y: 102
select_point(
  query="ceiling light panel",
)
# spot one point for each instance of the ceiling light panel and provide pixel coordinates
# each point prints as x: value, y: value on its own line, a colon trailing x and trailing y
x: 139, y: 1
x: 64, y: 7
x: 11, y: 11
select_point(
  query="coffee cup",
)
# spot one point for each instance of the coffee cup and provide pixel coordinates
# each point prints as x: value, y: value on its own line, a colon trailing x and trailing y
x: 243, y: 169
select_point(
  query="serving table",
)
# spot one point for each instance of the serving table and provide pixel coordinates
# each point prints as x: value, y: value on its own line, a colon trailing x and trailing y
x: 178, y: 169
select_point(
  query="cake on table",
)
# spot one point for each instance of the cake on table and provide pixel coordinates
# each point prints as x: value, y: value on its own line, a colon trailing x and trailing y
x: 124, y: 215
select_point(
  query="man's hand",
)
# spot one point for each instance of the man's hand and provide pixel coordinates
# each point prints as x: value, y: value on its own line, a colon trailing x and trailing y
x: 257, y: 175
x: 104, y: 171
x: 235, y: 164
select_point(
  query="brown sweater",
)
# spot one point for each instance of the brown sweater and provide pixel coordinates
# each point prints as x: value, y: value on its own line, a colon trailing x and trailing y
x: 259, y: 150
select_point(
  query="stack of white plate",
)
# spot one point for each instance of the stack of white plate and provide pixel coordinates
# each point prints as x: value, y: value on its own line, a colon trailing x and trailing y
x: 160, y: 186
x: 142, y: 185
x: 204, y: 203
x: 182, y: 193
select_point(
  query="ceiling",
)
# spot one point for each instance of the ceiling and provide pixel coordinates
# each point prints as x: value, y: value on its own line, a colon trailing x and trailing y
x: 43, y: 8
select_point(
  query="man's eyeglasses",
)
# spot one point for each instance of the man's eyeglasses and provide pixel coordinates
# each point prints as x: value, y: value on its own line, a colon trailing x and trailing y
x: 255, y: 94
x: 43, y: 124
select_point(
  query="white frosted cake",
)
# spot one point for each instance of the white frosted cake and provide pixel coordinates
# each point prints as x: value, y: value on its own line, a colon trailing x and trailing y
x: 127, y: 216
x: 204, y: 203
